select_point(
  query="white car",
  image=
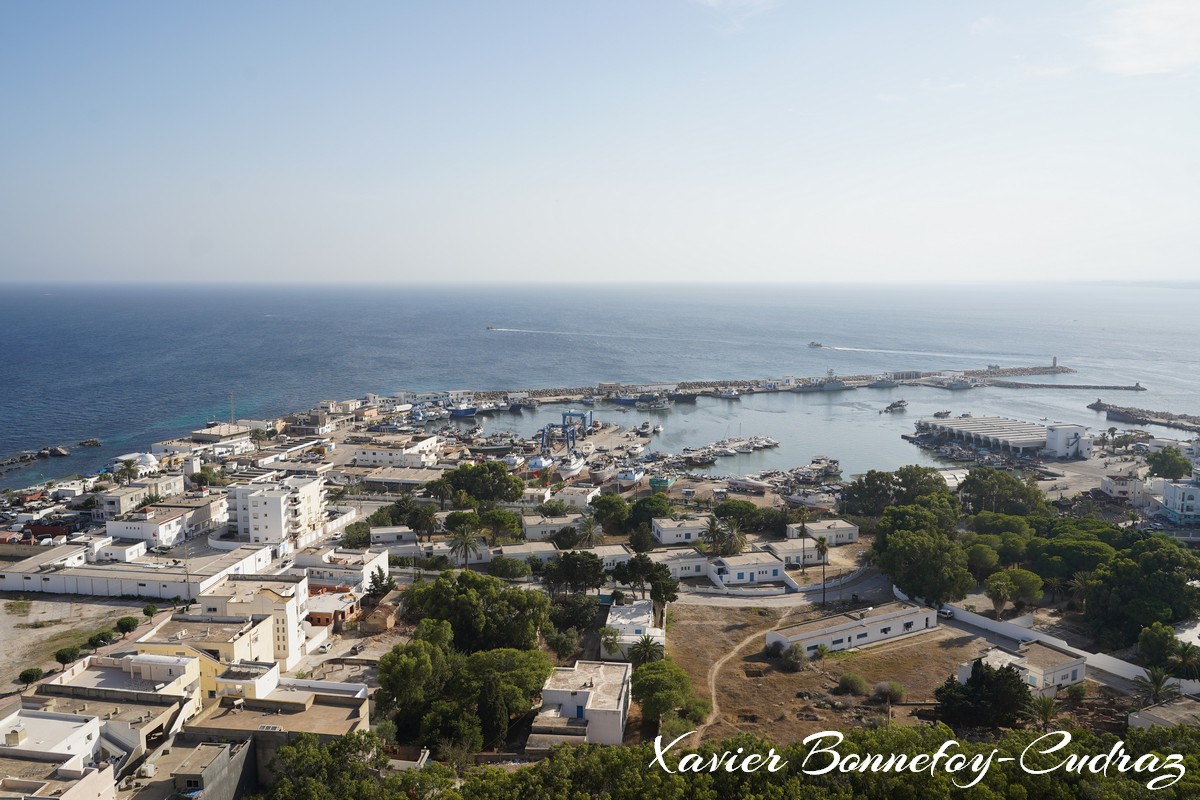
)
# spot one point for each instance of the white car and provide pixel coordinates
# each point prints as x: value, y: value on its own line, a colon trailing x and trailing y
x: 946, y: 613
x: 325, y: 648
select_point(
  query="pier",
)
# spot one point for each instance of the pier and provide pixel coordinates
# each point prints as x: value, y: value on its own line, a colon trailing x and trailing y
x: 1137, y: 387
x: 1141, y: 416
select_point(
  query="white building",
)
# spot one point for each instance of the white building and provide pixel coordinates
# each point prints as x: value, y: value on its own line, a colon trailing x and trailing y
x: 415, y: 452
x: 121, y: 550
x: 588, y: 702
x: 632, y: 621
x: 836, y: 531
x: 684, y: 562
x: 1043, y: 667
x: 529, y: 551
x: 353, y: 569
x: 119, y: 501
x: 1179, y: 501
x: 539, y: 528
x: 393, y: 534
x: 1068, y: 441
x: 677, y: 531
x: 283, y: 597
x: 748, y: 568
x: 274, y: 512
x: 609, y: 554
x: 856, y: 628
x: 1184, y: 710
x: 797, y: 551
x: 1129, y: 488
x: 578, y: 497
x: 157, y: 527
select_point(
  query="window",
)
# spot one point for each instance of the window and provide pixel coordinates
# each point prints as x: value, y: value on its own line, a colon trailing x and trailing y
x: 885, y: 631
x: 687, y: 536
x: 861, y: 636
x: 811, y: 647
x: 741, y: 576
x: 836, y: 641
x: 908, y: 626
x: 775, y: 573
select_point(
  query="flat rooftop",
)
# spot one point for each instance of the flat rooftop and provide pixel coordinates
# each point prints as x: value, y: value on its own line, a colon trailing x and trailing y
x: 604, y: 681
x: 1044, y: 656
x: 829, y: 525
x: 44, y: 731
x: 667, y: 523
x: 676, y: 554
x: 631, y: 614
x: 246, y: 587
x: 749, y: 560
x: 203, y: 629
x: 1012, y: 432
x: 43, y: 769
x: 850, y: 618
x: 136, y: 715
x: 182, y: 757
x: 1180, y: 711
x: 319, y: 718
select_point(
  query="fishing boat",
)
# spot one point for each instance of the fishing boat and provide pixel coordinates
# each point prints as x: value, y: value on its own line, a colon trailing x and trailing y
x: 463, y: 410
x: 630, y: 477
x: 623, y: 399
x: 571, y: 466
x: 541, y: 462
x: 942, y: 414
x: 661, y: 483
x: 702, y: 458
x: 514, y: 460
x: 815, y: 345
x: 658, y: 404
x: 730, y: 393
x: 658, y: 428
x: 645, y: 429
x: 602, y: 471
x: 882, y: 382
x: 635, y: 449
x: 898, y: 405
x: 682, y: 397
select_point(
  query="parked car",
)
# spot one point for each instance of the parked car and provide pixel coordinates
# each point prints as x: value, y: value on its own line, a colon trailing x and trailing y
x: 358, y: 648
x: 946, y: 613
x: 325, y: 648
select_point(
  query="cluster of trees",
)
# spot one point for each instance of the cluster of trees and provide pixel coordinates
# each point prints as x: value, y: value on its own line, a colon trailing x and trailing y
x: 477, y: 486
x: 484, y: 612
x: 641, y: 573
x: 991, y: 698
x: 97, y: 639
x: 457, y: 701
x: 1161, y: 649
x: 1169, y: 463
x: 346, y: 767
x: 1124, y: 579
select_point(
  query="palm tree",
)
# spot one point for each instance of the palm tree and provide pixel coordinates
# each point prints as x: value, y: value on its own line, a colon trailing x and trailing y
x: 735, y: 537
x: 713, y: 535
x: 610, y: 640
x: 1043, y: 710
x: 464, y: 542
x: 1185, y: 661
x: 1156, y: 686
x: 128, y: 471
x: 588, y: 534
x: 440, y: 489
x: 258, y: 436
x: 823, y: 552
x: 820, y: 653
x: 1078, y: 587
x: 426, y: 521
x: 1112, y: 439
x: 1054, y: 585
x: 645, y: 650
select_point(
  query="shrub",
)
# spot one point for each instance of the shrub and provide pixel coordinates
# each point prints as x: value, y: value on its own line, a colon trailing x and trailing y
x: 774, y: 649
x: 671, y: 726
x: 697, y: 710
x: 888, y: 692
x: 66, y: 655
x: 150, y: 610
x: 819, y: 653
x: 852, y: 683
x: 793, y: 658
x: 510, y: 568
x: 1076, y: 693
x: 127, y: 625
x: 31, y: 675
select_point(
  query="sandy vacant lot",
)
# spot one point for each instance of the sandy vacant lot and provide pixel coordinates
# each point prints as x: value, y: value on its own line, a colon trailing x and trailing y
x: 63, y: 620
x: 755, y: 696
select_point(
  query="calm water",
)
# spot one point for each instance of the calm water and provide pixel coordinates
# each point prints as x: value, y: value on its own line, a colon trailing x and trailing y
x: 130, y: 365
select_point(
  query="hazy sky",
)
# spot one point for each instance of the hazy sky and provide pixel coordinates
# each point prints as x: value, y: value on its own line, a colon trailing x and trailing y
x: 636, y: 139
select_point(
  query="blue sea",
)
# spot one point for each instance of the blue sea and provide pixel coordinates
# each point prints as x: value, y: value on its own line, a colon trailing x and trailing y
x: 132, y: 364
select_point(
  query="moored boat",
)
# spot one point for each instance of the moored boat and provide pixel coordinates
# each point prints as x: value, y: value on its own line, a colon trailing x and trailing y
x: 661, y: 483
x: 630, y: 477
x: 571, y: 466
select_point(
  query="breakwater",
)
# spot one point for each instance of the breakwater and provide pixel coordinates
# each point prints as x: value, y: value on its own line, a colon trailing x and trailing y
x: 1142, y: 416
x: 1137, y: 387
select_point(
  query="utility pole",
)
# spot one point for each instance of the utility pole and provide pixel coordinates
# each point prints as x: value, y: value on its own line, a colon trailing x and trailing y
x: 231, y: 415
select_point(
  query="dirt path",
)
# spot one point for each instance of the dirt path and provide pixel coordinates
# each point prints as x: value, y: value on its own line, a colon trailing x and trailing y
x: 715, y: 671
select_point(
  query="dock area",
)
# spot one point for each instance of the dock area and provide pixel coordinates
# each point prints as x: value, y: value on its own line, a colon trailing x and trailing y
x: 1142, y: 416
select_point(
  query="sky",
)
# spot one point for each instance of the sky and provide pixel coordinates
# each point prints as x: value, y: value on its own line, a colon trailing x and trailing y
x: 625, y: 140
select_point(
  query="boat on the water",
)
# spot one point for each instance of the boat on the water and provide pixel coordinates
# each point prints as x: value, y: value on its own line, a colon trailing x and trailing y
x: 730, y: 393
x: 658, y: 428
x: 630, y: 477
x: 571, y: 466
x: 623, y: 399
x: 941, y: 414
x: 882, y: 382
x: 829, y: 383
x: 898, y: 405
x: 661, y: 483
x: 463, y: 410
x: 815, y: 344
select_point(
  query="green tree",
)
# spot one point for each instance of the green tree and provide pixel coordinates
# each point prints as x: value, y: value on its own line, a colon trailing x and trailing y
x: 441, y: 490
x: 1027, y: 586
x: 66, y: 655
x: 990, y: 489
x: 590, y: 533
x: 258, y: 436
x: 926, y: 565
x: 500, y: 522
x: 1155, y: 686
x: 127, y: 625
x: 493, y: 713
x: 659, y: 687
x: 610, y: 641
x: 1043, y: 710
x: 982, y: 561
x: 484, y: 612
x: 1157, y: 643
x: 1185, y: 661
x: 611, y: 511
x: 464, y: 544
x: 577, y: 611
x: 634, y: 573
x: 101, y: 638
x: 646, y: 650
x: 656, y: 506
x: 149, y: 610
x: 31, y: 675
x: 641, y: 540
x: 511, y: 568
x: 999, y: 589
x: 1169, y: 463
x: 489, y: 482
x: 713, y: 535
x: 381, y: 583
x: 991, y: 697
x: 448, y: 724
x: 745, y: 512
x: 412, y: 676
x: 564, y: 643
x: 424, y: 520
